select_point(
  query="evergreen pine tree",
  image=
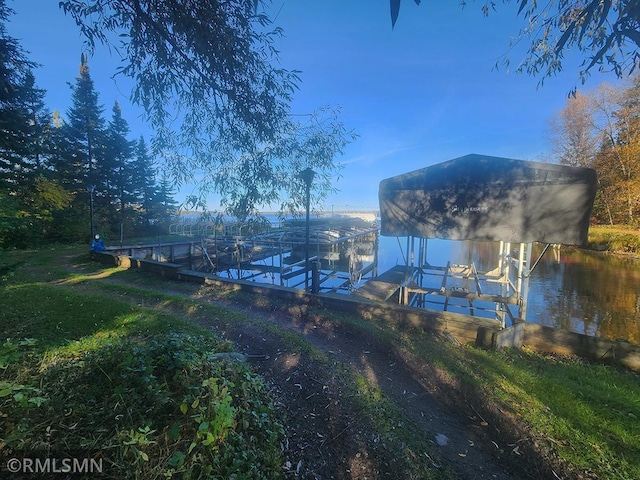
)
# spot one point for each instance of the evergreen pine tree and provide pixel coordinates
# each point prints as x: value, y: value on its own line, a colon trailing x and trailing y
x: 38, y: 128
x: 13, y: 118
x: 79, y: 149
x: 84, y: 133
x: 28, y: 198
x: 144, y: 181
x: 166, y: 205
x: 117, y: 171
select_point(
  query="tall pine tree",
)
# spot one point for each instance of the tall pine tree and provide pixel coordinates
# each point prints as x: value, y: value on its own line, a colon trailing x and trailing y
x: 28, y: 198
x: 79, y: 149
x: 14, y: 120
x: 116, y: 171
x: 84, y: 132
x: 144, y: 182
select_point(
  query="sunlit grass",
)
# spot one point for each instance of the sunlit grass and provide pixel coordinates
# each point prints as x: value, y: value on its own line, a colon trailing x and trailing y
x: 58, y: 316
x: 85, y: 371
x: 95, y: 341
x: 617, y: 238
x: 588, y: 415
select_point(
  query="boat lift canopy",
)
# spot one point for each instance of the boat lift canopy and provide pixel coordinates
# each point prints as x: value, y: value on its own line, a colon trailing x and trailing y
x: 478, y: 197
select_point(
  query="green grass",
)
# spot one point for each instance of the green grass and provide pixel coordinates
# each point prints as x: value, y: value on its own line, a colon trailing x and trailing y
x: 588, y: 415
x: 67, y: 334
x: 84, y: 371
x: 121, y: 368
x: 616, y: 239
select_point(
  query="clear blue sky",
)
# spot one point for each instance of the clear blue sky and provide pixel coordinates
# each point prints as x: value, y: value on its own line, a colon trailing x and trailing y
x: 420, y: 94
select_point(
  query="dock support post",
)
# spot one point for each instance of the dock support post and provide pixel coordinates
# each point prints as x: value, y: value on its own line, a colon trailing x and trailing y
x: 315, y: 276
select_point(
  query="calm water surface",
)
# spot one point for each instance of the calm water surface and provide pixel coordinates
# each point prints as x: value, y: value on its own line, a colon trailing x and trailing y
x: 582, y: 291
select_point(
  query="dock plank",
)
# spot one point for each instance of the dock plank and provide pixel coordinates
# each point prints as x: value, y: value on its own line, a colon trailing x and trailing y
x: 382, y: 287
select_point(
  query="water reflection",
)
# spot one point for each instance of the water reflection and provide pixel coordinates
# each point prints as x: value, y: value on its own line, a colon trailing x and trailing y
x: 578, y: 290
x: 589, y: 293
x: 570, y: 288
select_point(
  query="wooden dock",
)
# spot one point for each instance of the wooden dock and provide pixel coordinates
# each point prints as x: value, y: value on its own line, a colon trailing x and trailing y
x: 384, y: 286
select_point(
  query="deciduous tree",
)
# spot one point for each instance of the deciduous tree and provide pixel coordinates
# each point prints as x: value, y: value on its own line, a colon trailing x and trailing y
x: 573, y: 133
x: 601, y: 129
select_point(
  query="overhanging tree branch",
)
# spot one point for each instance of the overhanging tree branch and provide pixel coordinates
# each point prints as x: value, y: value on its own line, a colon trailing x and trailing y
x: 606, y: 32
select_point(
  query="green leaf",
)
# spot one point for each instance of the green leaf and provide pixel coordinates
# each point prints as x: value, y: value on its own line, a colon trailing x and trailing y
x: 395, y: 10
x: 174, y: 431
x: 38, y: 400
x: 177, y: 459
x: 210, y: 439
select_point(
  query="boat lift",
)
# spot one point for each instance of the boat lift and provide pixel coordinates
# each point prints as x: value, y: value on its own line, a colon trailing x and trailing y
x: 342, y: 255
x: 502, y: 290
x: 480, y: 198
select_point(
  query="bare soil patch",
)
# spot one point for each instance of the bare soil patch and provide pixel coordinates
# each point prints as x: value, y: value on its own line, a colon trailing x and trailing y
x: 326, y: 436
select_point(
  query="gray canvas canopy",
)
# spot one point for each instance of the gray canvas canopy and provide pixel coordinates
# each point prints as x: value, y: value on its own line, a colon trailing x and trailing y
x: 477, y: 197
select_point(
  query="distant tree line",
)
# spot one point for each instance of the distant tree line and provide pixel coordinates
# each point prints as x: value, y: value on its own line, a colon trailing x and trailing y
x: 600, y: 129
x: 52, y: 166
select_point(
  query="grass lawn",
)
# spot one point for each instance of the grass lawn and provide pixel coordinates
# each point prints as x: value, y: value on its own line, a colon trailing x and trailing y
x: 142, y: 390
x: 119, y: 368
x: 616, y: 239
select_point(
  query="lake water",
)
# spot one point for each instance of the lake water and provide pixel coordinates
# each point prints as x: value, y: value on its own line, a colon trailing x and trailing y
x: 582, y: 291
x: 577, y: 290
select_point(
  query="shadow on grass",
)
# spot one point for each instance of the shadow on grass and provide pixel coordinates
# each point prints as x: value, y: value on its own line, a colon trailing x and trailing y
x: 586, y: 414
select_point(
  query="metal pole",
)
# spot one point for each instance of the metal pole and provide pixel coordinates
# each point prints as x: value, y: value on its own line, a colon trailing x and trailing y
x: 520, y: 269
x: 307, y: 175
x: 522, y: 311
x: 306, y: 243
x: 91, y: 189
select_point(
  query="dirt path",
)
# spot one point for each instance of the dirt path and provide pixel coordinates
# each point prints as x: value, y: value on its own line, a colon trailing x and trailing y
x: 322, y: 440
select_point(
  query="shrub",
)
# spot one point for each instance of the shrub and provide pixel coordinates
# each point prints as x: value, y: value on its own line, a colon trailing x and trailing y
x: 152, y: 407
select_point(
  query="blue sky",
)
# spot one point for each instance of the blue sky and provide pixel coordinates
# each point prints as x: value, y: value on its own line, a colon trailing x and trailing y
x: 419, y: 94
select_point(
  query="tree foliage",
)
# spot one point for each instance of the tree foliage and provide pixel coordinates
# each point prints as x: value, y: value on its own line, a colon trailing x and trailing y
x: 47, y: 162
x: 605, y: 32
x: 601, y: 129
x: 84, y: 131
x: 186, y: 54
x: 573, y: 137
x: 207, y: 74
